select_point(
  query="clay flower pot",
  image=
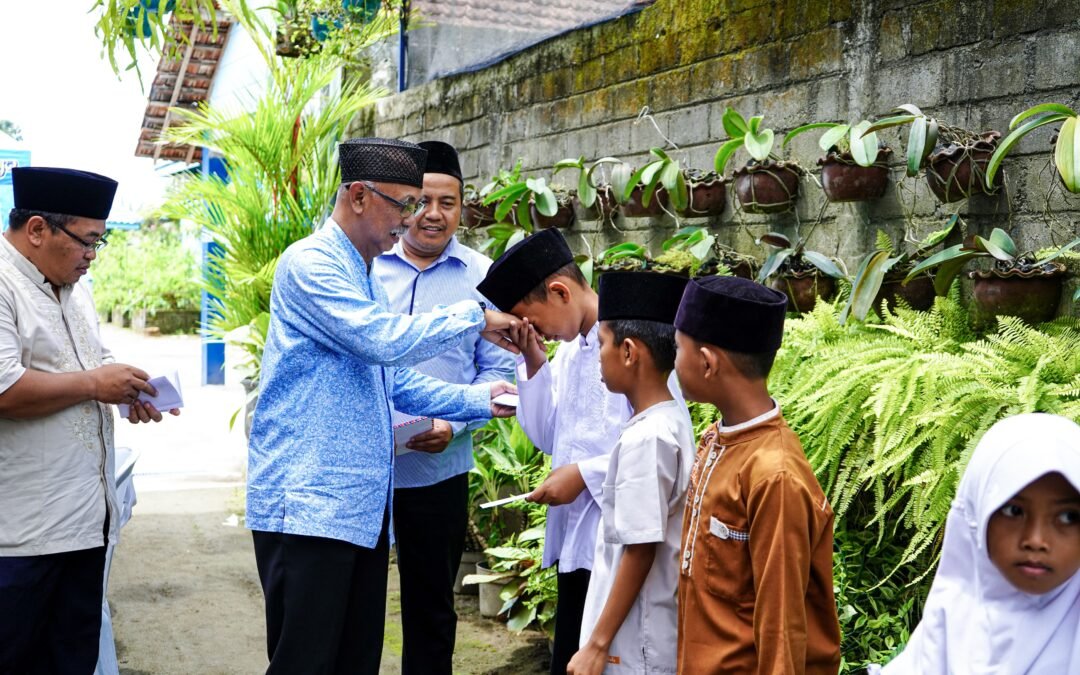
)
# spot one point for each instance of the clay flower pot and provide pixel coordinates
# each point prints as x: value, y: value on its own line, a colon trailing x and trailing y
x: 634, y: 209
x: 1032, y: 295
x: 706, y: 198
x: 844, y: 180
x: 918, y: 293
x: 767, y: 187
x: 475, y: 214
x: 804, y: 288
x: 563, y: 218
x: 956, y: 172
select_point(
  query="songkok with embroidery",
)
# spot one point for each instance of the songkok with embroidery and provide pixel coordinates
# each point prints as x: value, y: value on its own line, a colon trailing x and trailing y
x: 733, y: 313
x: 442, y: 158
x: 523, y: 267
x: 382, y: 160
x: 645, y: 296
x: 63, y: 191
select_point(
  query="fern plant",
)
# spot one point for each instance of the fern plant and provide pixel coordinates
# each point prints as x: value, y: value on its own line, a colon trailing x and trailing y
x: 889, y: 412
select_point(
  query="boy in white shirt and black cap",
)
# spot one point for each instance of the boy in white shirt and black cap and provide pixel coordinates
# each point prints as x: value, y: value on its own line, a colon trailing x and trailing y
x: 565, y: 408
x: 630, y: 619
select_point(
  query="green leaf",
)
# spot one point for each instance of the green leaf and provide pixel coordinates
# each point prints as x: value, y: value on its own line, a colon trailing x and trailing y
x: 773, y: 263
x: 832, y: 137
x: 586, y: 192
x: 585, y: 264
x: 864, y: 146
x: 1061, y: 110
x: 909, y: 108
x: 916, y: 145
x: 824, y: 264
x: 933, y: 261
x: 1067, y: 155
x: 621, y: 174
x: 545, y: 201
x: 524, y: 218
x: 867, y: 284
x: 1003, y: 243
x: 759, y: 144
x: 650, y: 171
x: 675, y: 183
x: 804, y: 128
x: 1012, y: 139
x: 569, y: 163
x: 734, y: 124
x: 755, y: 124
x: 1063, y: 249
x: 887, y: 122
x: 521, y: 617
x: 517, y: 236
x: 938, y: 236
x: 882, y: 241
x: 648, y: 190
x: 723, y: 154
x: 946, y: 273
x: 659, y: 153
x: 703, y: 248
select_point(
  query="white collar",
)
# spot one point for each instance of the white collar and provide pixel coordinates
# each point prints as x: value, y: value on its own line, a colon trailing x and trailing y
x: 750, y: 423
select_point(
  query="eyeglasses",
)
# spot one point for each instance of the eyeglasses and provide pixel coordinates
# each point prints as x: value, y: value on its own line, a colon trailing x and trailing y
x: 408, y: 208
x: 88, y: 245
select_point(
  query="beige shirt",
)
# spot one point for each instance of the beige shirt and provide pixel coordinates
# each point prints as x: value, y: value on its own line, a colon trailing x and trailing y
x: 53, y: 487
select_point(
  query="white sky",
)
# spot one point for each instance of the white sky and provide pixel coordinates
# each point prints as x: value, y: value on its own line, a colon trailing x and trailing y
x: 57, y: 85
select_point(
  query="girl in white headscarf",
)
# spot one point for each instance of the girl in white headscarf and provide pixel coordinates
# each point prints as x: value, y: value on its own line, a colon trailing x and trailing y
x: 1006, y: 597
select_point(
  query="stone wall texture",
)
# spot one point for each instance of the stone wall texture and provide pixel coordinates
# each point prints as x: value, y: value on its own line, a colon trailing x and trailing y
x: 970, y: 63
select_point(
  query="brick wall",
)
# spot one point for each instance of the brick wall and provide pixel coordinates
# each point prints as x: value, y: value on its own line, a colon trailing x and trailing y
x: 971, y: 63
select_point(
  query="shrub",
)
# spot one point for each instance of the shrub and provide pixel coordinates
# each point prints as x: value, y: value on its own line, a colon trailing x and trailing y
x: 148, y: 269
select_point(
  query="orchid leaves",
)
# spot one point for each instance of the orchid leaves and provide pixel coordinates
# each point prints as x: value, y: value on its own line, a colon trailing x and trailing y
x: 1066, y: 150
x: 922, y: 137
x: 853, y: 138
x: 747, y: 134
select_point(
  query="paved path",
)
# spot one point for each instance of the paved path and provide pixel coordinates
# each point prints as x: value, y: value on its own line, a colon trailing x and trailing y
x: 184, y: 588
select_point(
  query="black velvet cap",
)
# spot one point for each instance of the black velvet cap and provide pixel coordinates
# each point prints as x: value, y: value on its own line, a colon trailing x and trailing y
x: 523, y: 267
x: 442, y: 158
x: 647, y: 296
x: 63, y: 191
x: 383, y: 160
x: 733, y: 313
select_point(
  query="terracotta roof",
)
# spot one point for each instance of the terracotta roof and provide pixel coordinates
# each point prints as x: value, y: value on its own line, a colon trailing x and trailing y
x: 179, y: 82
x: 532, y: 16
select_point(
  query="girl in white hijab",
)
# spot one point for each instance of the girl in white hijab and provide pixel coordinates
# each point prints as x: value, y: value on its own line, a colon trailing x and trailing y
x: 1006, y: 597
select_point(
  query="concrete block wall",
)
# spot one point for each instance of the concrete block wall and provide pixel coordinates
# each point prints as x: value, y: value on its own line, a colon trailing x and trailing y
x: 970, y: 63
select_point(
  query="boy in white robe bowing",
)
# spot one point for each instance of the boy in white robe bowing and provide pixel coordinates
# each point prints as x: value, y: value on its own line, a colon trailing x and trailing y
x: 629, y: 625
x: 1006, y: 596
x: 564, y: 409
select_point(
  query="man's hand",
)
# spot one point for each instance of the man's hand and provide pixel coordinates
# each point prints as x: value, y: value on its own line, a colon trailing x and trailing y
x: 529, y: 344
x: 589, y: 660
x: 119, y: 383
x: 434, y: 441
x: 498, y: 410
x: 562, y: 486
x: 497, y: 329
x: 142, y: 411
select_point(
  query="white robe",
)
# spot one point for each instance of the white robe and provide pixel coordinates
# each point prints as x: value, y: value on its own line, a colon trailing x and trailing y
x: 975, y: 621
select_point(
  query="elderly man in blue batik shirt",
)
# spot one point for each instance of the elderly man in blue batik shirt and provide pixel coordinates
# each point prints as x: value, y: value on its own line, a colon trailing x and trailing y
x: 429, y: 267
x: 321, y: 448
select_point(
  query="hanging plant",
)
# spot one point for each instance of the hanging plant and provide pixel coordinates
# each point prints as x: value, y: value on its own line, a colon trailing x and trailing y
x: 766, y: 184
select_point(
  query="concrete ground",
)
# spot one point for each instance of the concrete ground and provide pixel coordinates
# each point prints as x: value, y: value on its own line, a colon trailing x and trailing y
x: 184, y: 589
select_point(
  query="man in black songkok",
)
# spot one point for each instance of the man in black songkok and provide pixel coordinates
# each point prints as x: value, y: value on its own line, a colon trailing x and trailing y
x: 58, y: 505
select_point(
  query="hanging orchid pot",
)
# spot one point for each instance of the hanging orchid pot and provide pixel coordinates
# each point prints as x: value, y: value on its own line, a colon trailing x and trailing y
x: 844, y: 180
x: 767, y: 187
x: 957, y: 171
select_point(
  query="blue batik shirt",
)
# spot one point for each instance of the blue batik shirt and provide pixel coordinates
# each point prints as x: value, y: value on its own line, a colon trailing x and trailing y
x: 320, y: 456
x: 452, y: 277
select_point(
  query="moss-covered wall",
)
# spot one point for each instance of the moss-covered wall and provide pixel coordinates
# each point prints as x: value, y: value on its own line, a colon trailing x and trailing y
x: 971, y: 63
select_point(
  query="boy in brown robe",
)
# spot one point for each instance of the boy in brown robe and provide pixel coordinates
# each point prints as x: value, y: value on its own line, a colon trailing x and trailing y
x: 756, y: 583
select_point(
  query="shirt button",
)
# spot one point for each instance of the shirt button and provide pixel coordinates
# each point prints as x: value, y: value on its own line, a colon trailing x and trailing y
x: 697, y: 500
x: 686, y: 564
x: 686, y: 554
x: 695, y: 510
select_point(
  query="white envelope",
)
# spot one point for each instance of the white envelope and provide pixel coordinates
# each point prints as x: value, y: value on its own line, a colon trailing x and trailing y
x: 168, y: 394
x: 407, y: 426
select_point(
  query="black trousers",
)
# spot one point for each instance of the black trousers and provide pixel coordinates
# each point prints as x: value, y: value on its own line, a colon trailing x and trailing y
x: 50, y: 612
x: 429, y: 526
x: 571, y: 605
x: 325, y: 603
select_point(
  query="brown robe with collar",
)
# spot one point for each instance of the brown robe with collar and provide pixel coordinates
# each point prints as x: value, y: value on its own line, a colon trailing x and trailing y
x: 756, y: 583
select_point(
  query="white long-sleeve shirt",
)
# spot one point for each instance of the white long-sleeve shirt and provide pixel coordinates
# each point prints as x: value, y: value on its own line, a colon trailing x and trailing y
x: 568, y: 413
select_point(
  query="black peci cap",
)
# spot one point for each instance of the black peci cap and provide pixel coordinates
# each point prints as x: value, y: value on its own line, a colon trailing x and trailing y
x: 523, y: 267
x: 733, y: 313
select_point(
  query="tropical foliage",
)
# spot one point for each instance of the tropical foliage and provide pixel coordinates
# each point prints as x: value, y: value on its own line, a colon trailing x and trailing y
x: 149, y: 269
x: 889, y: 413
x: 282, y: 179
